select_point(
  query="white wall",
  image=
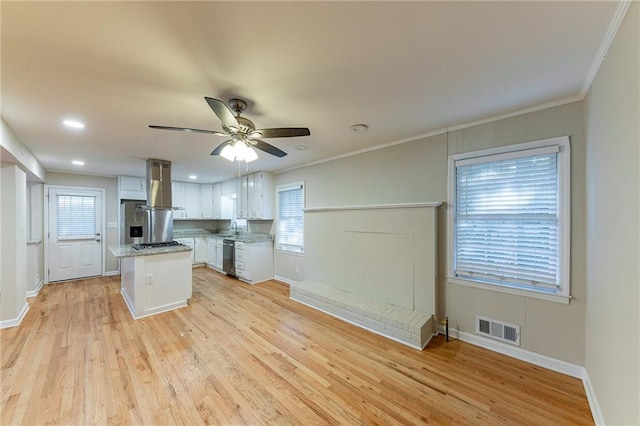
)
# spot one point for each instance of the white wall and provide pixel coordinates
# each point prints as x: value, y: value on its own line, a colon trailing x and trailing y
x: 12, y: 144
x: 613, y: 228
x: 17, y: 162
x: 385, y: 254
x: 110, y: 185
x: 417, y: 172
x: 35, y: 247
x: 14, y: 242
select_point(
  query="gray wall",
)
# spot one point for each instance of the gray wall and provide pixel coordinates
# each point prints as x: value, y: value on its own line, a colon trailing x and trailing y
x: 613, y: 232
x: 110, y: 185
x: 417, y: 172
x: 547, y: 328
x: 411, y: 172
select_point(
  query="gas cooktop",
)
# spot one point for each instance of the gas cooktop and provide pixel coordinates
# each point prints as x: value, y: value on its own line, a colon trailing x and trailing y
x: 143, y: 246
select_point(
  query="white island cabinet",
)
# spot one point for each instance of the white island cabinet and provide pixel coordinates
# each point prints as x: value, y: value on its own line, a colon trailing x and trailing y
x: 154, y: 280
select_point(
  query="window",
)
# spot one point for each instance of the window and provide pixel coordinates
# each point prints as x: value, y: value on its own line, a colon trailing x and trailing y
x: 76, y: 217
x: 509, y: 221
x: 290, y: 225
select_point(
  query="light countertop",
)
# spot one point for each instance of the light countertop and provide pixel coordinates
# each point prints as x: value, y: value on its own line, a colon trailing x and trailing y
x: 126, y: 250
x: 242, y: 237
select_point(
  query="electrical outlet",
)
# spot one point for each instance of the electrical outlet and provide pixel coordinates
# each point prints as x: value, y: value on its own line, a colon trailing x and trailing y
x: 148, y: 279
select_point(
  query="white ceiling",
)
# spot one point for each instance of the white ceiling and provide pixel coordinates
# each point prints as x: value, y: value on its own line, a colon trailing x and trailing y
x: 403, y: 68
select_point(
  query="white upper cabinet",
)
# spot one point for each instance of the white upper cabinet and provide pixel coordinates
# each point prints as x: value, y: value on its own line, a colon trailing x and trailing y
x: 196, y: 200
x: 242, y: 206
x: 217, y: 201
x: 178, y: 199
x: 262, y: 199
x: 132, y: 188
x: 255, y: 196
x: 251, y: 195
x: 192, y: 201
x: 206, y: 201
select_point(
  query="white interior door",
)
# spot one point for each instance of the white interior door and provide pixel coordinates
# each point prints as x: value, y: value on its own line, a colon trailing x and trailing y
x: 74, y: 240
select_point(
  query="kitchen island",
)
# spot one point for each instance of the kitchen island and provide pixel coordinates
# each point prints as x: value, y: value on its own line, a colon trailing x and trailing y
x: 154, y: 280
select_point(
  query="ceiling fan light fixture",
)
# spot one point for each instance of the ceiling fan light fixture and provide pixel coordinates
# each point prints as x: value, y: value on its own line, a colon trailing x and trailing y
x: 250, y: 155
x: 229, y: 153
x: 239, y: 151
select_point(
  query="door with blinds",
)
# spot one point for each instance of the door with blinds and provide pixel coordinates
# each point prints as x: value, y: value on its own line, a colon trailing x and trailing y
x: 74, y: 238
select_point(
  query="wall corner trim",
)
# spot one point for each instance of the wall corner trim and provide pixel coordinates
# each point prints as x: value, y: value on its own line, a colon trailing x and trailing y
x: 34, y: 293
x: 14, y: 322
x: 616, y: 21
x: 540, y: 360
x: 596, y: 412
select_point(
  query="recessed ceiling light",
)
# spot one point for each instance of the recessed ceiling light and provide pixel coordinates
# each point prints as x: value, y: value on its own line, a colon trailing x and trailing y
x: 77, y: 163
x: 359, y: 127
x: 302, y: 147
x: 73, y: 124
x: 193, y: 177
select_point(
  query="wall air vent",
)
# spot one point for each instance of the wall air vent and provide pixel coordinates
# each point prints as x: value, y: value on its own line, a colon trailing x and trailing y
x: 498, y: 330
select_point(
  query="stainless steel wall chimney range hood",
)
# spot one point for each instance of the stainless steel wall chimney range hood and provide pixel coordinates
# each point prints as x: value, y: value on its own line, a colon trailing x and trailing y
x: 158, y: 219
x: 159, y: 183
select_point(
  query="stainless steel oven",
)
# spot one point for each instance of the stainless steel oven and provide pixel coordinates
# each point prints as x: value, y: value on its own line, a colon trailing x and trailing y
x: 229, y: 257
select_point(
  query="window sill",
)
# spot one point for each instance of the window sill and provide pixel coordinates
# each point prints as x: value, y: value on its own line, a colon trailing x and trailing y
x: 556, y: 298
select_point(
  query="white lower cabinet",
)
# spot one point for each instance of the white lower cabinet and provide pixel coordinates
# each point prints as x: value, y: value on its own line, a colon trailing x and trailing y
x: 198, y: 248
x: 211, y: 258
x: 190, y: 243
x: 200, y: 251
x: 219, y: 253
x: 254, y: 261
x: 214, y: 259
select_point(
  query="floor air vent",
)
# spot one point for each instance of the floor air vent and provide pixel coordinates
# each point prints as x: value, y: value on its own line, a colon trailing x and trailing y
x: 498, y: 330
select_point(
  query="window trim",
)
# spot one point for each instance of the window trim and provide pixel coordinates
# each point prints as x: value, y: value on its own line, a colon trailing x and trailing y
x: 287, y: 187
x: 564, y: 199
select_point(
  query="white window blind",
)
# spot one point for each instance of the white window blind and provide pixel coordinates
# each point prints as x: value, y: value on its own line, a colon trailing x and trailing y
x: 290, y: 235
x: 507, y: 219
x: 76, y: 217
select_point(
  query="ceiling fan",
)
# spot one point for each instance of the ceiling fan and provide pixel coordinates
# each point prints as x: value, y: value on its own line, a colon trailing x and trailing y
x: 243, y: 133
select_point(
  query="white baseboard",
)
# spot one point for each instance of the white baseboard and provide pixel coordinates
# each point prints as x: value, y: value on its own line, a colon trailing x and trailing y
x: 598, y: 418
x: 34, y: 293
x: 285, y: 280
x: 153, y: 311
x: 544, y: 361
x: 519, y: 353
x: 14, y: 322
x: 111, y: 273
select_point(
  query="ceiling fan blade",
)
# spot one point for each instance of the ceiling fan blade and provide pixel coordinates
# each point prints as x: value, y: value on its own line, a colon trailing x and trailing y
x: 223, y: 112
x: 268, y: 148
x: 185, y: 129
x: 220, y: 147
x: 282, y: 132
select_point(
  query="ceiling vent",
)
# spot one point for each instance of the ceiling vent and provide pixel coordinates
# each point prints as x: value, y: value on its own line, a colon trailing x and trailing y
x: 498, y: 330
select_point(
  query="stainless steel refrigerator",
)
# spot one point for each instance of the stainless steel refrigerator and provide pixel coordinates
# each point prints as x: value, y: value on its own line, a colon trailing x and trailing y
x: 132, y: 225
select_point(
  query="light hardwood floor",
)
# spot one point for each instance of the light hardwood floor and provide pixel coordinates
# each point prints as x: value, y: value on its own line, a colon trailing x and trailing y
x: 241, y: 354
